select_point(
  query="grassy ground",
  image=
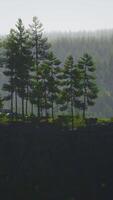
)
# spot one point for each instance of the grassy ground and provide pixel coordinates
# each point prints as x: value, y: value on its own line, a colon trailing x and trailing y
x: 60, y: 121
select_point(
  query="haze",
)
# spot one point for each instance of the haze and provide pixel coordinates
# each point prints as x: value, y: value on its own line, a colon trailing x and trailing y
x: 58, y: 15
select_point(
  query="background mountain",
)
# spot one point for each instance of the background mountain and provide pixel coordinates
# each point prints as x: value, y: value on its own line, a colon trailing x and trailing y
x: 100, y: 45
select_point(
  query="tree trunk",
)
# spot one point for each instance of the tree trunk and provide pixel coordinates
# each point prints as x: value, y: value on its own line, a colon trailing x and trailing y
x: 46, y: 113
x: 85, y: 93
x: 27, y: 100
x: 36, y: 63
x: 16, y: 104
x: 38, y: 108
x: 23, y: 108
x: 32, y: 109
x: 52, y: 111
x: 41, y: 110
x: 84, y: 108
x: 11, y: 102
x: 12, y: 92
x: 72, y: 115
x: 26, y: 107
x: 12, y: 105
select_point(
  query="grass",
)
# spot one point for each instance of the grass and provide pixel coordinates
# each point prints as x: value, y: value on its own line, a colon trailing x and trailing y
x: 62, y: 121
x: 104, y: 120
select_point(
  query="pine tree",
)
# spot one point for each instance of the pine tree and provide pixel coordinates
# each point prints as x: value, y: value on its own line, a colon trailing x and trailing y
x: 89, y: 87
x: 68, y: 88
x: 71, y: 88
x: 50, y: 69
x: 10, y: 59
x: 40, y: 48
x: 23, y: 63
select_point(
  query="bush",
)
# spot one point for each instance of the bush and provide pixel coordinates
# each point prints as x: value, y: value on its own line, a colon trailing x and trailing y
x: 4, y: 118
x: 79, y: 121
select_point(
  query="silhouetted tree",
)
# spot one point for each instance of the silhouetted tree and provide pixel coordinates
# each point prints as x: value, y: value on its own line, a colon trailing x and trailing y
x: 23, y: 62
x: 51, y: 72
x: 68, y: 86
x: 89, y: 87
x: 10, y: 63
x: 40, y: 48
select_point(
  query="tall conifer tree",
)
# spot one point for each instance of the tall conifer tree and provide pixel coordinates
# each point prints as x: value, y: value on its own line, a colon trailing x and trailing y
x: 23, y: 61
x: 67, y: 90
x: 50, y: 70
x: 89, y: 87
x: 40, y: 48
x: 10, y: 64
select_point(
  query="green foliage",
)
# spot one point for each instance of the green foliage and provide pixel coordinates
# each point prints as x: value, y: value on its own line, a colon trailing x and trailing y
x: 18, y: 64
x: 88, y: 84
x: 71, y: 87
x: 37, y: 77
x: 99, y: 45
x: 40, y: 46
x: 104, y: 120
x: 1, y: 102
x: 4, y: 119
x: 50, y: 71
x: 79, y: 122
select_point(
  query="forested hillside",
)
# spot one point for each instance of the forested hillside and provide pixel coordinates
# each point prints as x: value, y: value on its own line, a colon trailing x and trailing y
x: 98, y: 44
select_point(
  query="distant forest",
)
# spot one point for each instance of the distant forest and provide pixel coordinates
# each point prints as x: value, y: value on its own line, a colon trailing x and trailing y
x: 97, y: 44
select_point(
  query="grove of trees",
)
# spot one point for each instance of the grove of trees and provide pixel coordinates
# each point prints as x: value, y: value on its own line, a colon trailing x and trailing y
x: 37, y: 77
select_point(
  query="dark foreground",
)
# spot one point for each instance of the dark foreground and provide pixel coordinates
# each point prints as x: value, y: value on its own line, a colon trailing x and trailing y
x: 49, y: 164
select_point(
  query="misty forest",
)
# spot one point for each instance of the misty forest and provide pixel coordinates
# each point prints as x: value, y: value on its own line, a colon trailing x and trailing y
x: 56, y: 114
x: 44, y: 57
x: 40, y: 82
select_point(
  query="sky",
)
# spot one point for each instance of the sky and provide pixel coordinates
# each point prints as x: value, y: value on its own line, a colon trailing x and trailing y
x: 58, y: 15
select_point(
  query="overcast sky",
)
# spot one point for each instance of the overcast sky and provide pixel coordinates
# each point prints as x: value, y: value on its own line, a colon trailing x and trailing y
x: 58, y: 15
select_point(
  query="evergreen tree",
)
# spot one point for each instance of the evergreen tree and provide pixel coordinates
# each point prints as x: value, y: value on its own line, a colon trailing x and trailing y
x: 71, y: 88
x: 11, y: 47
x: 23, y: 63
x: 68, y: 87
x: 89, y: 87
x: 50, y: 69
x: 53, y: 81
x: 40, y: 48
